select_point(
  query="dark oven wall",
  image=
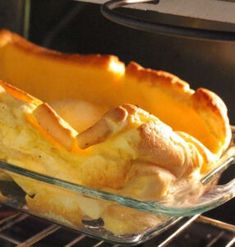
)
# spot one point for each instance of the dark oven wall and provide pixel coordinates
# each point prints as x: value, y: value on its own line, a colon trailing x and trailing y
x: 71, y: 26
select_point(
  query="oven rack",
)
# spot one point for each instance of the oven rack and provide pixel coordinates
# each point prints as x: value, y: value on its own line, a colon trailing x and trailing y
x: 22, y: 230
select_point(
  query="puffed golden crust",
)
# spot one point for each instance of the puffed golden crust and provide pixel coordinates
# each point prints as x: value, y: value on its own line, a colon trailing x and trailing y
x: 212, y: 110
x: 116, y: 84
x: 157, y: 77
x: 53, y: 126
x: 19, y: 94
x: 102, y: 129
x: 101, y: 61
x: 207, y: 104
x: 155, y: 142
x: 127, y: 151
x: 123, y: 135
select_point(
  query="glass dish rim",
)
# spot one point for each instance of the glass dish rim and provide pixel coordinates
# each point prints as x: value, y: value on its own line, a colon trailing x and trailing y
x: 154, y: 207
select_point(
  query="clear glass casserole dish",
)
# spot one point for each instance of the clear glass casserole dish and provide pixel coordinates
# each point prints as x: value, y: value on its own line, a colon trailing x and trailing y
x: 124, y: 220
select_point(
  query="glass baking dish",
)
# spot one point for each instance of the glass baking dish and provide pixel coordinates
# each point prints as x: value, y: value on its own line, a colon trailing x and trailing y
x: 125, y: 220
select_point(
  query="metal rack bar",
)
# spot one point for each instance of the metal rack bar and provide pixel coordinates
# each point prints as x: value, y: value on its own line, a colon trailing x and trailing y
x: 9, y: 221
x: 215, y: 239
x: 9, y: 239
x: 76, y: 240
x: 216, y: 223
x: 98, y: 244
x: 2, y: 221
x: 13, y: 222
x: 178, y: 231
x: 230, y: 243
x: 36, y: 238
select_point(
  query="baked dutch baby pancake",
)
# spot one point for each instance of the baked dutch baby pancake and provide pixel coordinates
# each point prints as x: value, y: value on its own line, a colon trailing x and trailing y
x: 93, y: 121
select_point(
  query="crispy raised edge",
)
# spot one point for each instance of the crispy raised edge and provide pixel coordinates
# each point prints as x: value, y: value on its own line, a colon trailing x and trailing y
x: 210, y: 100
x: 205, y: 101
x: 157, y: 77
x: 202, y: 100
x: 100, y: 61
x: 201, y: 96
x: 52, y: 125
x: 19, y: 94
x: 64, y: 137
x: 102, y: 129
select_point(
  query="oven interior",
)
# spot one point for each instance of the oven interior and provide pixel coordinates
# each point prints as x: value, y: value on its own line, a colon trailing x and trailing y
x: 79, y: 27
